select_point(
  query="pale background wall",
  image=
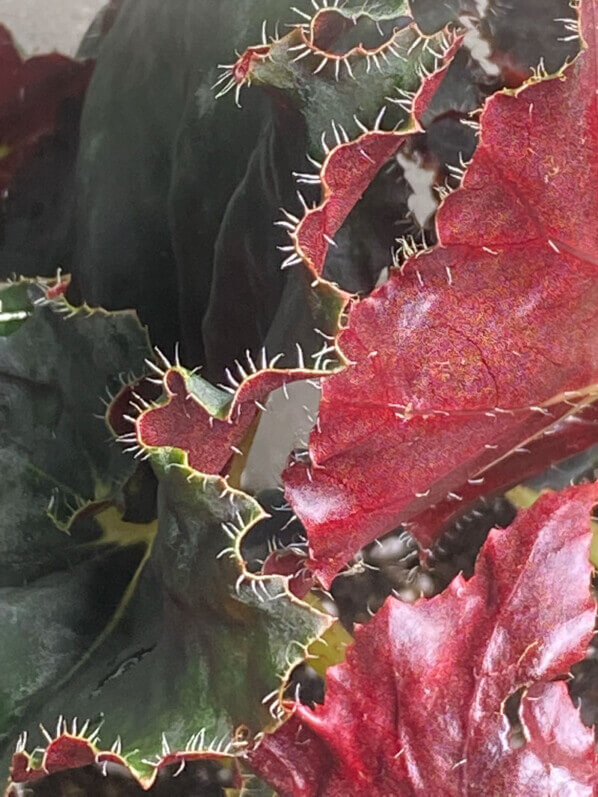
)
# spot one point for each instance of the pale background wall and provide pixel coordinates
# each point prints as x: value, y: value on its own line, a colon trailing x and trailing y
x: 45, y: 25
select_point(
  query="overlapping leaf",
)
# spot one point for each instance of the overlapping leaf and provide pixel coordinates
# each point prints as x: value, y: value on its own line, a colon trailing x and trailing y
x: 419, y: 706
x: 162, y: 128
x: 209, y: 425
x: 205, y: 421
x: 56, y: 365
x: 59, y: 589
x: 376, y: 413
x: 335, y: 65
x: 234, y: 637
x: 282, y: 308
x: 430, y: 402
x: 477, y: 347
x: 99, y: 622
x: 55, y: 458
x: 340, y: 59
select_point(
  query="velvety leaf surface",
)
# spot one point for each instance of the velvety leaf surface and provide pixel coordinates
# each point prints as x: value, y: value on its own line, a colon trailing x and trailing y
x: 198, y: 646
x: 248, y: 285
x: 418, y: 707
x: 59, y: 590
x: 56, y: 364
x: 473, y: 349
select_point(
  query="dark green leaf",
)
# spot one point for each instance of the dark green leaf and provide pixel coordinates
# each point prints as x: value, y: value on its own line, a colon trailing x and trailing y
x: 55, y: 455
x: 195, y: 648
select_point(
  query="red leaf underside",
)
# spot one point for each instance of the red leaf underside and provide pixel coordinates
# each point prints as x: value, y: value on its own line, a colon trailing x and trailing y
x: 574, y: 434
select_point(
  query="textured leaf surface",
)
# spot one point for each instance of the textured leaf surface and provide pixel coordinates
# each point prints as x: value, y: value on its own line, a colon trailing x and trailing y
x: 418, y: 707
x: 234, y: 639
x: 54, y: 453
x: 205, y: 421
x: 342, y: 59
x: 59, y: 590
x: 473, y: 349
x: 207, y: 424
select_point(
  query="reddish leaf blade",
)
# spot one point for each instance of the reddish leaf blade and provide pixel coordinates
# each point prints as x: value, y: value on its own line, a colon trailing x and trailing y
x: 70, y: 752
x: 351, y: 167
x: 31, y: 95
x: 184, y: 422
x: 418, y: 706
x: 555, y: 733
x: 66, y: 751
x: 477, y: 347
x: 347, y: 172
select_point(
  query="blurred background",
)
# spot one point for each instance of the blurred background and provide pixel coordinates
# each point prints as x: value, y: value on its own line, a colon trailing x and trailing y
x: 45, y: 25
